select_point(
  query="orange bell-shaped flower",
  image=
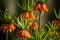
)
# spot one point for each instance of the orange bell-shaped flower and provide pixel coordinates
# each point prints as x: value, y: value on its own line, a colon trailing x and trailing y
x: 18, y: 34
x: 22, y: 34
x: 28, y: 15
x: 37, y: 7
x: 34, y: 25
x: 40, y: 7
x: 56, y: 22
x: 25, y: 15
x: 44, y: 8
x: 31, y: 16
x: 7, y: 27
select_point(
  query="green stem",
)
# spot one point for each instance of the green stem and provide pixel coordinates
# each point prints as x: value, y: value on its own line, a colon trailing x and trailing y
x: 28, y: 5
x: 19, y: 5
x: 42, y: 0
x: 39, y: 22
x: 21, y: 39
x: 24, y: 38
x: 23, y: 4
x: 46, y: 36
x: 23, y: 24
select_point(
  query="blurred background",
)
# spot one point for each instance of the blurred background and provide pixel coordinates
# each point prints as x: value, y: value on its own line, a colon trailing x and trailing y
x: 51, y: 4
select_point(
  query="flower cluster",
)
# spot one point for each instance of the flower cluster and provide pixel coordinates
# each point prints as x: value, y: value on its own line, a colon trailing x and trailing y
x: 7, y: 27
x: 24, y: 26
x: 56, y: 23
x: 28, y: 15
x: 22, y: 34
x: 41, y: 7
x: 33, y: 25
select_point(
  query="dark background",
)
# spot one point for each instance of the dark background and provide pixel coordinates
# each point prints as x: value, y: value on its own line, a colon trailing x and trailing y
x: 48, y: 17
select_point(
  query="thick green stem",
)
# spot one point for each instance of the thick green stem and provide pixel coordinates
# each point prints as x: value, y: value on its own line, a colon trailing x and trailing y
x: 28, y: 5
x: 39, y: 22
x: 42, y: 0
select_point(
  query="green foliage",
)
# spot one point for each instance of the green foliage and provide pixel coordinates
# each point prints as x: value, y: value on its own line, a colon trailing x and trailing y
x: 41, y: 1
x: 5, y: 17
x: 26, y: 5
x: 21, y: 23
x: 57, y: 14
x: 51, y: 26
x: 52, y: 29
x: 43, y: 34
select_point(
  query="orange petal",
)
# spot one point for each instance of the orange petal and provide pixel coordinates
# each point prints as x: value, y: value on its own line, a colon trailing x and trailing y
x: 44, y: 8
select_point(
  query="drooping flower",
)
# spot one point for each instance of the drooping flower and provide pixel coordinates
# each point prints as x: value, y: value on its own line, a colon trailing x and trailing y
x: 44, y: 7
x: 28, y: 15
x: 18, y: 34
x: 37, y: 7
x: 56, y: 22
x: 31, y: 16
x: 34, y: 25
x: 25, y: 15
x: 40, y: 7
x: 11, y: 26
x: 7, y: 27
x: 22, y: 34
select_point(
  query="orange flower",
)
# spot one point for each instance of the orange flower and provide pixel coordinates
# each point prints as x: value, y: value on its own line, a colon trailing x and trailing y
x: 31, y: 16
x: 44, y: 8
x: 11, y: 26
x: 37, y: 7
x: 22, y: 34
x: 25, y: 15
x: 57, y: 33
x: 41, y: 7
x: 33, y: 25
x: 56, y: 22
x: 28, y: 15
x: 18, y: 34
x: 7, y: 27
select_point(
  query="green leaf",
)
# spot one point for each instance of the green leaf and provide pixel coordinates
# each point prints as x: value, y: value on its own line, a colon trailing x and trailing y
x: 19, y: 22
x: 41, y: 1
x: 19, y: 5
x: 47, y: 26
x: 26, y: 5
x: 57, y: 15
